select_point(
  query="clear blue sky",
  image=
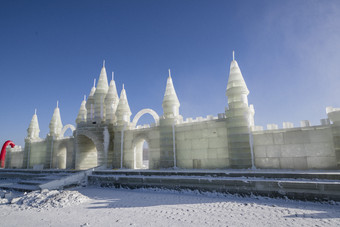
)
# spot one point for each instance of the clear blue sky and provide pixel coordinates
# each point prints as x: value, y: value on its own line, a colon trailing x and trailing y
x: 288, y: 51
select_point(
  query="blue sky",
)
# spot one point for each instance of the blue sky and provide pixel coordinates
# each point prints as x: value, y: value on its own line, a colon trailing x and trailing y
x: 288, y: 51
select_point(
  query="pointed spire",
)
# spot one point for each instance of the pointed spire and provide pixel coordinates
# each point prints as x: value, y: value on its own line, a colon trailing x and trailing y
x: 82, y: 114
x: 57, y: 104
x: 123, y: 112
x: 170, y: 101
x: 235, y: 77
x: 102, y: 85
x: 237, y: 90
x: 55, y: 124
x: 93, y: 89
x: 111, y: 102
x: 103, y: 63
x: 170, y: 93
x: 99, y: 96
x: 90, y: 103
x: 113, y: 75
x: 33, y: 129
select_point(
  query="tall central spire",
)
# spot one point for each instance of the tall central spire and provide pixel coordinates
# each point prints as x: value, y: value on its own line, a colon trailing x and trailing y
x: 99, y: 95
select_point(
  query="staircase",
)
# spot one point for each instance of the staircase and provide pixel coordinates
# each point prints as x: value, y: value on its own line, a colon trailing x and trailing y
x: 309, y: 185
x: 30, y: 180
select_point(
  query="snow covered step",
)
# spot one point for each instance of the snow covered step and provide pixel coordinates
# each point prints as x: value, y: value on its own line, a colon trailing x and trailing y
x: 330, y: 175
x: 44, y: 171
x: 295, y: 189
x: 20, y: 187
x: 32, y: 182
x: 15, y: 175
x: 51, y: 177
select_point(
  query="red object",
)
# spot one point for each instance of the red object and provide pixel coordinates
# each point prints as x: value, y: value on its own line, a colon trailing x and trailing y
x: 3, y: 152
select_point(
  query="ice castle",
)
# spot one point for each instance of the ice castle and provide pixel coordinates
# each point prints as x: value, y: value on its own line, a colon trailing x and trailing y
x: 104, y: 135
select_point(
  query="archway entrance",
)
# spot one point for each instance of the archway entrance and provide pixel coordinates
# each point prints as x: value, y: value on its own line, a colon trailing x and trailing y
x: 141, y: 154
x: 87, y: 153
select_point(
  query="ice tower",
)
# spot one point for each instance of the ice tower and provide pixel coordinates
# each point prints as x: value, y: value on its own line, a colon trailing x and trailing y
x: 55, y: 124
x: 170, y: 101
x: 239, y: 118
x: 33, y: 129
x: 123, y: 112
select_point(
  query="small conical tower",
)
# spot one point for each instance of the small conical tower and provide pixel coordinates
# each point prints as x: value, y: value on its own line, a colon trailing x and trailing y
x: 82, y: 114
x: 237, y: 90
x: 56, y: 125
x: 99, y: 96
x: 170, y: 101
x: 123, y: 112
x: 111, y: 102
x: 90, y: 104
x: 239, y: 119
x: 33, y: 129
x: 237, y: 93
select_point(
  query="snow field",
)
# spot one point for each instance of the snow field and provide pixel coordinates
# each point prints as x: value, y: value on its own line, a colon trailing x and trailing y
x: 155, y: 207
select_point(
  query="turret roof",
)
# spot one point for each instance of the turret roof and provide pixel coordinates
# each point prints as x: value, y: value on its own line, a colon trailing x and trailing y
x: 33, y: 128
x: 102, y: 85
x: 93, y: 89
x: 236, y: 80
x: 112, y: 92
x: 170, y: 96
x: 82, y: 112
x: 123, y: 105
x: 56, y: 125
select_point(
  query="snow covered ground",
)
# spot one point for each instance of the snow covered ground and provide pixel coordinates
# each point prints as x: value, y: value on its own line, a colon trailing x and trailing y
x: 153, y: 207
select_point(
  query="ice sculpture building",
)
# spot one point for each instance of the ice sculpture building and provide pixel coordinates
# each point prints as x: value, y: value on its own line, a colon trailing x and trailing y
x: 104, y: 135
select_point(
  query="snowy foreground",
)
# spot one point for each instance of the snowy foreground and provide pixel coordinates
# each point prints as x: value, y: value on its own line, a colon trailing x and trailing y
x: 93, y: 206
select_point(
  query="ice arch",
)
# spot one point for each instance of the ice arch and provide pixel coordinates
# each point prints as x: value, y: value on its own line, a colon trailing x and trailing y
x: 69, y: 126
x: 145, y: 111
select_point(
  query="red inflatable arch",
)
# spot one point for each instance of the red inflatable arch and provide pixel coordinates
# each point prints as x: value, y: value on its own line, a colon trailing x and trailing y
x: 3, y: 152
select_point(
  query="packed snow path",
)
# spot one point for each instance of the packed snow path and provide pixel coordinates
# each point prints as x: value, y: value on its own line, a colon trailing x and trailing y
x: 121, y: 207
